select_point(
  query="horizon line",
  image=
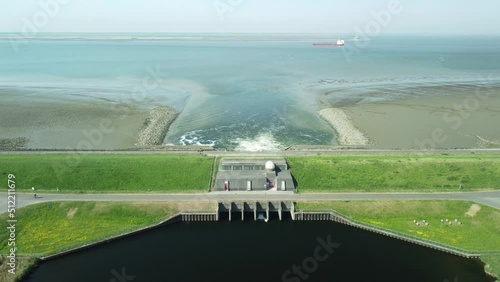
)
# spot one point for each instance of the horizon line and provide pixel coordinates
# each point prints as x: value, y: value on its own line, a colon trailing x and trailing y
x: 244, y: 33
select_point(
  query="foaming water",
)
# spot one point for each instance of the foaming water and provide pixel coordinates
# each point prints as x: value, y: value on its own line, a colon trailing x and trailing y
x: 194, y: 138
x: 263, y: 142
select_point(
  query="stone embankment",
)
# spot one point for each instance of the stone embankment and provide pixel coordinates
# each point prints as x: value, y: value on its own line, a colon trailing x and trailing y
x: 347, y: 133
x: 156, y: 126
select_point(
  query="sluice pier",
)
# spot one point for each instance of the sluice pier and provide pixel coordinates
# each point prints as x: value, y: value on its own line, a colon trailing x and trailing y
x: 256, y: 210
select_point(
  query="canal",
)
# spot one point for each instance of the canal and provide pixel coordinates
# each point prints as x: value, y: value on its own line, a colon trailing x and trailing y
x: 256, y: 251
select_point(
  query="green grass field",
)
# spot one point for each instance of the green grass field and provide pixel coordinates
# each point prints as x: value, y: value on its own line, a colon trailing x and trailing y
x: 48, y: 227
x: 86, y: 173
x: 481, y: 232
x: 398, y: 172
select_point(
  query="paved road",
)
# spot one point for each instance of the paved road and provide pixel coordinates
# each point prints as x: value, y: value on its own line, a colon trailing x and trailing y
x: 23, y: 199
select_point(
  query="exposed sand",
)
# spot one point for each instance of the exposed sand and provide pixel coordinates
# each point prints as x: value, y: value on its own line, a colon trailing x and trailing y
x: 473, y: 210
x: 453, y: 121
x: 71, y: 213
x: 347, y: 133
x: 63, y: 123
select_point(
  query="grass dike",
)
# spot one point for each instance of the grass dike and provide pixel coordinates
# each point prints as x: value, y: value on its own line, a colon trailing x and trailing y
x: 109, y: 173
x: 156, y: 126
x: 396, y: 173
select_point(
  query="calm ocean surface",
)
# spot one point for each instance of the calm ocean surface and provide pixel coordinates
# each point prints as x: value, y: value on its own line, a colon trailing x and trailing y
x: 246, y: 93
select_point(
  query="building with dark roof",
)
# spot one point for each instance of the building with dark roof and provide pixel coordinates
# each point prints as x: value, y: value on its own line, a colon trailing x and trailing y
x: 253, y: 175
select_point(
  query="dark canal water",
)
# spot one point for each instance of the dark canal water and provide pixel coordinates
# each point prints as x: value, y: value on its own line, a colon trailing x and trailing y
x: 257, y: 251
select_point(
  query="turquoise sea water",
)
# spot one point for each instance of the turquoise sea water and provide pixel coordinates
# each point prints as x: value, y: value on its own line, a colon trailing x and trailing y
x: 256, y: 92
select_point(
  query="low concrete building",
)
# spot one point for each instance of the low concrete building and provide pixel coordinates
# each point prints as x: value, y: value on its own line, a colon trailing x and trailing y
x: 253, y: 175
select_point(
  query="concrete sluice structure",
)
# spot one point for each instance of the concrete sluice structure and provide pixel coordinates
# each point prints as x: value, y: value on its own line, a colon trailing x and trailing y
x: 255, y: 174
x: 243, y: 210
x: 256, y: 210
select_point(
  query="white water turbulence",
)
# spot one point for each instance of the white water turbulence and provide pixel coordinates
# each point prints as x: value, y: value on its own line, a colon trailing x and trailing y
x: 264, y: 142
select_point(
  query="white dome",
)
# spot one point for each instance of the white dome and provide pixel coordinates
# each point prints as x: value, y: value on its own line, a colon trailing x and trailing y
x: 270, y: 165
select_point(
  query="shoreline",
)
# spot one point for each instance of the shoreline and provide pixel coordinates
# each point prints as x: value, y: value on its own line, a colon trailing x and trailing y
x: 428, y: 122
x: 73, y: 124
x: 459, y: 121
x: 347, y: 133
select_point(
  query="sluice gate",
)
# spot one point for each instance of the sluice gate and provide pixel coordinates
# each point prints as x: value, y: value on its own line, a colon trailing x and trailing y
x: 256, y: 210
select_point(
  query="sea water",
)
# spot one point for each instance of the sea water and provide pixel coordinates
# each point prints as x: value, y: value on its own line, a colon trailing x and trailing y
x: 243, y: 92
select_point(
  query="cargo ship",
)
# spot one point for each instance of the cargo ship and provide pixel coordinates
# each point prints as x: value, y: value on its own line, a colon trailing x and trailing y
x: 339, y: 43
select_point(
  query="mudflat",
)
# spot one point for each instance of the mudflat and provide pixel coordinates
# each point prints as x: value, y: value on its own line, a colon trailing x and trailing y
x: 455, y: 120
x: 48, y: 123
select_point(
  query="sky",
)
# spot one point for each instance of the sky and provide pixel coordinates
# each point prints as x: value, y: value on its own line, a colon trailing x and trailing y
x: 252, y: 16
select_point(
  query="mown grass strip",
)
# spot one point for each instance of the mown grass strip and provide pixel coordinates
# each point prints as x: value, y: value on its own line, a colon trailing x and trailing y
x: 70, y: 173
x: 399, y: 172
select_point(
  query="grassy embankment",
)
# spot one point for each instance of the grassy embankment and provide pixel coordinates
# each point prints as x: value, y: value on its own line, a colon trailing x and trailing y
x: 398, y: 172
x: 72, y: 173
x: 89, y: 173
x: 479, y: 231
x: 49, y: 228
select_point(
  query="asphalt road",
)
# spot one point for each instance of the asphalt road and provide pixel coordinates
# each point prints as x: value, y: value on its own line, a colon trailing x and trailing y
x: 24, y: 199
